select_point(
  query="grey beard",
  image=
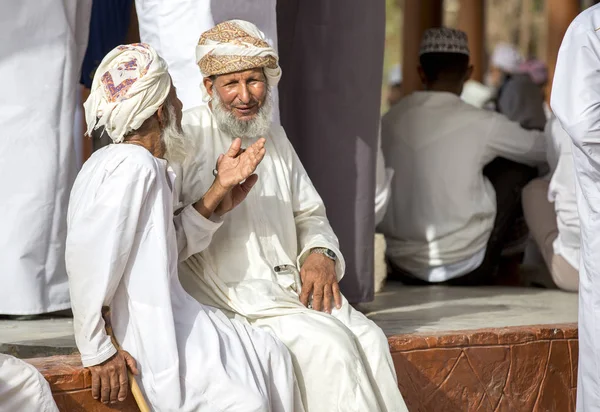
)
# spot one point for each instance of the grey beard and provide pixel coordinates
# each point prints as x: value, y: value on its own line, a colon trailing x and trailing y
x: 234, y: 127
x: 177, y: 145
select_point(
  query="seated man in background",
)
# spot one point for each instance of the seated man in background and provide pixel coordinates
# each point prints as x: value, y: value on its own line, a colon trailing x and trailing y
x: 550, y: 209
x: 448, y: 218
x: 275, y: 261
x: 518, y: 97
x: 123, y: 245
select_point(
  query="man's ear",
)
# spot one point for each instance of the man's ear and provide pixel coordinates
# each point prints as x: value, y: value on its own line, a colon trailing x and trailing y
x: 422, y: 75
x: 208, y: 85
x: 469, y: 72
x: 161, y: 116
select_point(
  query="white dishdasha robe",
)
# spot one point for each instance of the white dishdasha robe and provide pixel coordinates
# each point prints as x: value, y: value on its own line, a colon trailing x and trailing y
x: 122, y: 251
x: 251, y: 270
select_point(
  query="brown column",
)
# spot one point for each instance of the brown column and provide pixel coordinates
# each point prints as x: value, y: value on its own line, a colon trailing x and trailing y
x: 471, y: 20
x: 419, y: 15
x: 560, y: 13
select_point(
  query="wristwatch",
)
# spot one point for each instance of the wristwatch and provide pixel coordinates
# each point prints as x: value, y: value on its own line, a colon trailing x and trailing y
x: 324, y: 251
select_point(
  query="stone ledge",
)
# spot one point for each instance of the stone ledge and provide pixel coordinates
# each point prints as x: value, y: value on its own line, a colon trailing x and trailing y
x: 482, y: 337
x: 71, y: 385
x: 525, y: 369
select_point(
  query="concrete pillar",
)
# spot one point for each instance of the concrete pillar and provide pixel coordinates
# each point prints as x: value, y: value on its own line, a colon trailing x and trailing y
x: 419, y: 15
x: 471, y: 20
x: 560, y: 14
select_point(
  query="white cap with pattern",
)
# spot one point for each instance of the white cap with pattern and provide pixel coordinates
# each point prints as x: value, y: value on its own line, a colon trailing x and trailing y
x: 444, y: 40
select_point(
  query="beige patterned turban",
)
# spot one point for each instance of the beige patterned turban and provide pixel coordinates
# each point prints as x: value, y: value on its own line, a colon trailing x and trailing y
x: 129, y: 86
x: 236, y: 45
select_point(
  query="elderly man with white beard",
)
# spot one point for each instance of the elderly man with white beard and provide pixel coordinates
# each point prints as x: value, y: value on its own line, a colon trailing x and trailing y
x: 275, y: 261
x: 123, y: 246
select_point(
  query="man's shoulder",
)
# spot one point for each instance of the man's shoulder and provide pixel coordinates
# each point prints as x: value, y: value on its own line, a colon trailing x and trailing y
x: 122, y: 155
x: 588, y: 19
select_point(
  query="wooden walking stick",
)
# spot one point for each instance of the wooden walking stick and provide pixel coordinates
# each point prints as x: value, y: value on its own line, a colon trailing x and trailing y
x: 135, y: 388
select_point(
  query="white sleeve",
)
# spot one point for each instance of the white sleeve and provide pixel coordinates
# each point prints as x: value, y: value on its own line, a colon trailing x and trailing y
x: 555, y: 140
x: 576, y: 90
x: 509, y: 140
x: 312, y: 226
x: 99, y: 241
x: 194, y: 231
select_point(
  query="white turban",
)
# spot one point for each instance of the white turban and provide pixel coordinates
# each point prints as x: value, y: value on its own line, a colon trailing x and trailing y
x: 129, y: 86
x: 234, y: 46
x: 507, y: 58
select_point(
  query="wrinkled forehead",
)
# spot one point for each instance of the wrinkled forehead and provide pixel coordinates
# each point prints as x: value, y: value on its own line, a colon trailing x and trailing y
x: 254, y: 73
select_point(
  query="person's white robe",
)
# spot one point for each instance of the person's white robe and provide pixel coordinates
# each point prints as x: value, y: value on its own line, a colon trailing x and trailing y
x: 251, y: 269
x: 174, y: 27
x: 42, y: 50
x: 23, y: 388
x: 576, y: 103
x: 122, y: 251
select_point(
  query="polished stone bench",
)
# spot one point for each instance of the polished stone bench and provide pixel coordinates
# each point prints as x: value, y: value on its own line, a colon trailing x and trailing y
x: 454, y: 350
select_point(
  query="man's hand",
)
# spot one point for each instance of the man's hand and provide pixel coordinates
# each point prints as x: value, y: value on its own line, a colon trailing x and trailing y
x: 109, y: 379
x: 233, y: 168
x: 319, y: 280
x: 237, y: 165
x: 236, y: 195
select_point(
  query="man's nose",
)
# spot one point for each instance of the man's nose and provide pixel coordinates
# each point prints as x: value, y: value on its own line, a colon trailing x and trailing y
x: 244, y: 93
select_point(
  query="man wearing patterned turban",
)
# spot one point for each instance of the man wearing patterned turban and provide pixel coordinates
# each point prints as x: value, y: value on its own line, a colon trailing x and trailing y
x: 275, y: 262
x: 123, y: 243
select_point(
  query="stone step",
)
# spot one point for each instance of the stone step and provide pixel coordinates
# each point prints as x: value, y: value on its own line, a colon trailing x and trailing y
x: 517, y: 369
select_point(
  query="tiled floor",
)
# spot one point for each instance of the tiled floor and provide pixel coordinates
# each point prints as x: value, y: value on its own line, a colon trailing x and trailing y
x: 35, y: 338
x: 398, y: 310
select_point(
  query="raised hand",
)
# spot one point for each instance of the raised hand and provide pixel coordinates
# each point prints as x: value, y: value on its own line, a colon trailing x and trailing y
x: 235, y: 166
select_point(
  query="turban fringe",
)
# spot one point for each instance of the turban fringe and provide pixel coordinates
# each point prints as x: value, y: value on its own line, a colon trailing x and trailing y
x: 236, y: 45
x: 129, y: 86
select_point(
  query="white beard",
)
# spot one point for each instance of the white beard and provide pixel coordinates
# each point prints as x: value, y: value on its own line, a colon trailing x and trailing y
x: 234, y: 127
x: 177, y: 144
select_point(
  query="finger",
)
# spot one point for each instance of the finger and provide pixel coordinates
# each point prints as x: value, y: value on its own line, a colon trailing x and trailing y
x: 337, y: 295
x: 234, y: 148
x: 114, y: 384
x: 317, y: 298
x: 95, y: 385
x: 305, y: 295
x: 219, y: 161
x: 131, y: 363
x: 249, y: 183
x: 104, y: 388
x: 123, y: 383
x: 259, y: 144
x: 327, y: 299
x: 260, y: 155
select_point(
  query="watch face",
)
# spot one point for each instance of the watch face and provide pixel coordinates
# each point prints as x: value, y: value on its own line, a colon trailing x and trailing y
x: 330, y: 254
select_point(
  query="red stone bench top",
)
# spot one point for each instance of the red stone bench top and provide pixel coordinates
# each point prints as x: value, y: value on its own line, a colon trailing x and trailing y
x: 482, y: 337
x: 414, y: 357
x: 71, y: 382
